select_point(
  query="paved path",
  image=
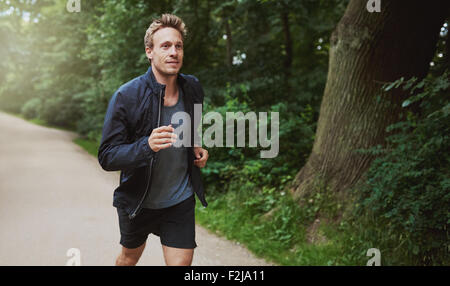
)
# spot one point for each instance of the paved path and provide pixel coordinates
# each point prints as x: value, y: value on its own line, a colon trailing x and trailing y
x: 54, y: 196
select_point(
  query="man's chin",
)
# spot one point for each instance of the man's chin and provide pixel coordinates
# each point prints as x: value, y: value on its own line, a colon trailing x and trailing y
x: 171, y: 72
x: 168, y: 72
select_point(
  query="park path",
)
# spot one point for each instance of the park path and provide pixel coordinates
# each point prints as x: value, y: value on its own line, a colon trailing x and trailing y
x: 54, y: 196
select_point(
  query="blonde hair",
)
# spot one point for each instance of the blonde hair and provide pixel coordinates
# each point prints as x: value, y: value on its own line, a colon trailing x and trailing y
x: 166, y: 20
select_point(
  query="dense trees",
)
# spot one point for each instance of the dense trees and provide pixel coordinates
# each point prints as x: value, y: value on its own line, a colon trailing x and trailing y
x: 63, y: 67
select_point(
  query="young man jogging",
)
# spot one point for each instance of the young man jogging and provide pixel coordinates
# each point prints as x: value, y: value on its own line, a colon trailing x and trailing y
x: 158, y: 178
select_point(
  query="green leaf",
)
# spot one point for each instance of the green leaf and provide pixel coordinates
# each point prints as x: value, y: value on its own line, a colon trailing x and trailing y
x: 406, y: 103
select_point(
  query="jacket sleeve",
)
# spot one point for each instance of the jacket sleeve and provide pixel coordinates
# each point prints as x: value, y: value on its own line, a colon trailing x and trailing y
x: 115, y: 153
x: 199, y: 97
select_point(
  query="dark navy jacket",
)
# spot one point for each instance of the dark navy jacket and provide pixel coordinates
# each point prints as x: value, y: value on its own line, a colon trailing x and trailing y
x: 133, y: 112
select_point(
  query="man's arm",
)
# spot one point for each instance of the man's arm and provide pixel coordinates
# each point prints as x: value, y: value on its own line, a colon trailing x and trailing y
x: 115, y: 153
x: 201, y: 155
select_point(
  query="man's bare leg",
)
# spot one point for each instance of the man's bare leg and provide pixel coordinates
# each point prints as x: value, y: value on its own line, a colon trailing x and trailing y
x: 177, y: 256
x: 130, y: 257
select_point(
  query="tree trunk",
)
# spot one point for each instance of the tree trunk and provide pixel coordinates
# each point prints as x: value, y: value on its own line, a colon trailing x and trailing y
x: 367, y: 50
x: 287, y: 46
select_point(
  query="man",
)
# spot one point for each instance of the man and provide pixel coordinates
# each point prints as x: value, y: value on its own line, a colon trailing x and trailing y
x: 158, y: 179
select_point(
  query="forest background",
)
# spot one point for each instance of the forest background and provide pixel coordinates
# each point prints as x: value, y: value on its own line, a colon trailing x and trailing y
x: 363, y: 100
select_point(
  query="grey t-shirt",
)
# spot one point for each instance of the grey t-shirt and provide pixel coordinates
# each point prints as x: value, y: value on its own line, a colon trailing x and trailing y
x: 170, y: 183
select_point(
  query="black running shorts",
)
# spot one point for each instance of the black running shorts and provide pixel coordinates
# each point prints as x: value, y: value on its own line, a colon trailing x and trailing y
x: 174, y: 225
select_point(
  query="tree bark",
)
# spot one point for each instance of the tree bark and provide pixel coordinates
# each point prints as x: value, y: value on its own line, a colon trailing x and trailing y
x: 367, y: 50
x: 287, y: 46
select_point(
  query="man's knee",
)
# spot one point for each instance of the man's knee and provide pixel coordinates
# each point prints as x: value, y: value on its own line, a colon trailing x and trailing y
x: 180, y: 261
x: 127, y: 260
x: 130, y: 257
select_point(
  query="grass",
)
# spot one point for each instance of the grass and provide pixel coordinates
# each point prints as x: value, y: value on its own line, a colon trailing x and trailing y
x: 278, y: 235
x: 89, y: 145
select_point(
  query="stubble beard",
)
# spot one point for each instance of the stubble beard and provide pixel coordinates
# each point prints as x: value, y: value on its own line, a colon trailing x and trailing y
x: 167, y: 72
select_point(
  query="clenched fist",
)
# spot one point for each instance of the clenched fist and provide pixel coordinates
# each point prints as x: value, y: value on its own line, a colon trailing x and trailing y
x: 162, y: 138
x: 201, y: 156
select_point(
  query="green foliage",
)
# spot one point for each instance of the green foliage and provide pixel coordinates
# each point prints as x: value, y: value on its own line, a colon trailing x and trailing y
x: 401, y: 210
x: 243, y: 165
x: 31, y: 109
x: 90, y: 146
x: 271, y: 224
x: 411, y: 200
x: 73, y: 62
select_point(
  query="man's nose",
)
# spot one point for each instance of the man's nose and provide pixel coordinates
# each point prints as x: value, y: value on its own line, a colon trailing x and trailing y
x: 173, y: 51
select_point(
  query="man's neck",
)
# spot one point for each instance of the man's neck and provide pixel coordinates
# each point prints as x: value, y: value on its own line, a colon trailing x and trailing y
x: 170, y: 81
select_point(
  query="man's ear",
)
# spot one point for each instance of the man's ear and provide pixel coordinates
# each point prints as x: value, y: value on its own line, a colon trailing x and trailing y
x: 149, y: 53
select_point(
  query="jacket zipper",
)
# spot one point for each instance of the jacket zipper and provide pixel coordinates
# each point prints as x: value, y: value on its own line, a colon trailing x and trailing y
x: 135, y: 212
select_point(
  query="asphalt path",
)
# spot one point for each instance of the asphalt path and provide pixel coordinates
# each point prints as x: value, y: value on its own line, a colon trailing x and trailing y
x: 56, y: 206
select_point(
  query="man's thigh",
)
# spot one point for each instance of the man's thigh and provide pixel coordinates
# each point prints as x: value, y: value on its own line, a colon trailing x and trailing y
x: 177, y: 256
x: 134, y: 233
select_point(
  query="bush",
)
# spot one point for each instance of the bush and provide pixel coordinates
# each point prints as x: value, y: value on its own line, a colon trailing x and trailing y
x: 61, y: 110
x: 236, y: 167
x: 93, y: 106
x: 31, y: 109
x: 407, y: 190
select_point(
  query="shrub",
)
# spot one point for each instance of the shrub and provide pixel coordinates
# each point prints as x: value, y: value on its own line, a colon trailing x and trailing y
x: 243, y: 165
x: 407, y: 190
x: 31, y: 109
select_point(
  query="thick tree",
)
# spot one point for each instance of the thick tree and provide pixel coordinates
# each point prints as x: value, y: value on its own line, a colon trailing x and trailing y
x: 367, y: 50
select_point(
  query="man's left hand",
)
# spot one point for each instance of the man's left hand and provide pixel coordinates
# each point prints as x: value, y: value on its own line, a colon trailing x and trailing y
x: 201, y: 156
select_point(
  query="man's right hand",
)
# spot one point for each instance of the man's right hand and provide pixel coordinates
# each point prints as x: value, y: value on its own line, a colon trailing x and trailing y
x: 162, y: 138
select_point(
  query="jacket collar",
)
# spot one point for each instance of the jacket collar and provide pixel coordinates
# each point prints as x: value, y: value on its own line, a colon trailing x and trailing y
x: 156, y: 86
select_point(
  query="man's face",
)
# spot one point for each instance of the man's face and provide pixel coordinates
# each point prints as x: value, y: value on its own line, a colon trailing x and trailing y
x: 167, y: 52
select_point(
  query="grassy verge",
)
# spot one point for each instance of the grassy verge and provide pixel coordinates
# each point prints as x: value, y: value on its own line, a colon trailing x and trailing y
x: 276, y: 228
x: 89, y: 145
